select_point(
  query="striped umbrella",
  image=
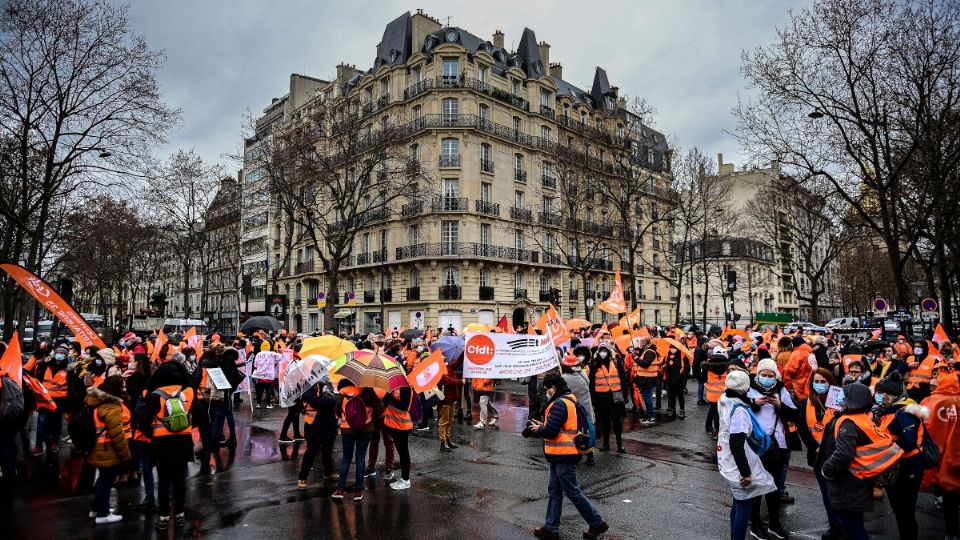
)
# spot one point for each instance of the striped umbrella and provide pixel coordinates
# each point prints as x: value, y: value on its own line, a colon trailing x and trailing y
x: 368, y: 369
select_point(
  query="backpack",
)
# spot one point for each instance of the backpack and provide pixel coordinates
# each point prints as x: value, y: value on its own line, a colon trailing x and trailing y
x: 416, y: 409
x: 758, y: 440
x: 175, y: 416
x: 82, y: 430
x: 930, y: 451
x: 11, y: 399
x: 586, y: 434
x: 355, y: 412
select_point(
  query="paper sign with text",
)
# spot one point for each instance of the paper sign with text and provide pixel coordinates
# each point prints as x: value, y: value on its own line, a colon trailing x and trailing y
x: 489, y: 355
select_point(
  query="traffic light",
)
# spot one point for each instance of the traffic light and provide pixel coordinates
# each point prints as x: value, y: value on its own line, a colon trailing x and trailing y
x: 731, y: 280
x: 555, y: 296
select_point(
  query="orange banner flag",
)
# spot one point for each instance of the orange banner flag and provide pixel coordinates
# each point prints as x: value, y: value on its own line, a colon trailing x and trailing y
x: 161, y: 341
x: 427, y: 374
x: 642, y: 332
x: 557, y: 328
x: 191, y: 332
x: 504, y: 325
x: 11, y: 363
x: 631, y: 319
x: 603, y: 330
x: 616, y: 302
x: 52, y: 302
x: 940, y: 335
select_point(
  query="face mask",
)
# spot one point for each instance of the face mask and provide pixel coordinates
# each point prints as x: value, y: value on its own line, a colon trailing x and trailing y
x: 918, y: 351
x: 59, y: 357
x: 550, y: 393
x: 878, y: 397
x: 421, y: 349
x: 603, y: 356
x: 841, y: 399
x: 821, y: 388
x: 581, y: 358
x: 767, y: 382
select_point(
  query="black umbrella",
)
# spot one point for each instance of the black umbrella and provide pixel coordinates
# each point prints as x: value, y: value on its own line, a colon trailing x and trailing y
x: 264, y: 322
x: 412, y: 333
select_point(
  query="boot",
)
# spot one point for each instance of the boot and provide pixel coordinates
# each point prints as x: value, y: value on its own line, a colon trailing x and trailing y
x: 681, y: 414
x: 444, y: 447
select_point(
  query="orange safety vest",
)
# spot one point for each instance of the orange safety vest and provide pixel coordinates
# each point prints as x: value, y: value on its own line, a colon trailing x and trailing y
x: 350, y: 392
x: 563, y: 444
x: 607, y: 379
x: 56, y: 385
x: 885, y: 422
x: 483, y: 385
x: 877, y: 456
x: 396, y: 418
x: 922, y: 374
x: 714, y: 386
x: 816, y: 427
x: 100, y: 428
x: 125, y: 419
x: 186, y: 395
x: 653, y: 369
x: 309, y: 413
x: 97, y: 380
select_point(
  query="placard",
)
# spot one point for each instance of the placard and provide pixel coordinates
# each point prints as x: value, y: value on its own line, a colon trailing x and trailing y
x: 218, y: 378
x: 489, y: 355
x: 833, y: 398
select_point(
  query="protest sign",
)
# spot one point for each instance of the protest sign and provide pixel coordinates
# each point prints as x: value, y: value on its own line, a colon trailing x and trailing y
x: 218, y: 378
x: 265, y: 365
x: 491, y: 355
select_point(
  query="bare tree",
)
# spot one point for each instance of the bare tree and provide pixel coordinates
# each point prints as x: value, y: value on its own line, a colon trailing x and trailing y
x: 337, y: 170
x: 849, y: 92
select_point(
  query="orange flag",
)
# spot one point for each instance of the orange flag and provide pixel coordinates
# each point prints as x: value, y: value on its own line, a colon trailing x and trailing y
x: 557, y: 328
x: 428, y: 372
x: 940, y: 335
x: 616, y: 302
x: 161, y: 340
x: 642, y: 332
x: 630, y: 319
x: 11, y: 364
x: 504, y: 325
x: 603, y: 330
x: 192, y: 331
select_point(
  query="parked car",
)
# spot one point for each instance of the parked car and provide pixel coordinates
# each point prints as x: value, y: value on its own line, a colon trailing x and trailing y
x: 806, y: 328
x: 28, y: 339
x: 843, y: 323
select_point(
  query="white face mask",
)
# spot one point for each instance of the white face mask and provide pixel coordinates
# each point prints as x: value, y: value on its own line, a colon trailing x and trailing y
x: 550, y: 393
x: 918, y: 351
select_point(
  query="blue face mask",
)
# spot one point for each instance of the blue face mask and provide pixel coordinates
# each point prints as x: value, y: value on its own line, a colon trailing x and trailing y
x: 59, y: 357
x: 878, y: 397
x: 821, y: 388
x: 841, y: 399
x: 766, y: 382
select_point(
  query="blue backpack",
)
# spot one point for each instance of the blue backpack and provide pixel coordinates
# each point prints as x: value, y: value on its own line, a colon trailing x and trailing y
x: 758, y: 440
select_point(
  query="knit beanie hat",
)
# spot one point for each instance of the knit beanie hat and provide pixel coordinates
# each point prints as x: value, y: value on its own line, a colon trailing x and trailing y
x: 738, y: 381
x: 768, y: 363
x: 891, y: 384
x: 857, y: 396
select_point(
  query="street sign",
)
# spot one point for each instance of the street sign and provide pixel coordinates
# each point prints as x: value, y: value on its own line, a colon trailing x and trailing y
x: 321, y: 299
x: 880, y: 307
x: 589, y: 303
x: 929, y: 304
x: 930, y: 315
x: 418, y: 315
x: 351, y: 299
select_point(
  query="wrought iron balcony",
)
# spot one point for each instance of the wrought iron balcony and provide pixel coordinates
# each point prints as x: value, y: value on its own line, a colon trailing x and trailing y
x: 448, y: 161
x: 369, y: 296
x: 449, y: 204
x: 413, y: 293
x: 417, y: 88
x: 386, y: 295
x: 411, y: 209
x: 486, y: 293
x: 488, y: 208
x: 548, y: 181
x: 521, y: 214
x: 486, y: 165
x: 520, y: 176
x: 449, y: 292
x: 519, y: 293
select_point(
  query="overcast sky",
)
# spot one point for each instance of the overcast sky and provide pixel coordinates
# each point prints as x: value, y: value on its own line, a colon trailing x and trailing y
x: 225, y: 57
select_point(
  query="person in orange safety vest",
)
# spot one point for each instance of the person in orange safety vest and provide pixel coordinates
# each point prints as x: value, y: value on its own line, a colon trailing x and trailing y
x: 944, y: 405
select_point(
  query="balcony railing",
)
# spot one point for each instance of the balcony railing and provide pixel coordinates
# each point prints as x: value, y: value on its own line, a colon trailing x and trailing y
x: 521, y: 214
x: 548, y: 181
x: 364, y: 258
x: 383, y: 100
x: 413, y: 293
x: 417, y: 88
x: 486, y: 165
x: 544, y: 296
x: 519, y: 293
x: 486, y: 293
x: 304, y: 267
x: 386, y: 295
x: 548, y: 112
x: 449, y: 81
x: 520, y: 176
x: 369, y: 296
x: 413, y: 167
x: 488, y: 208
x: 448, y: 161
x: 411, y: 209
x: 551, y: 258
x: 380, y: 255
x: 467, y: 249
x: 449, y: 292
x: 550, y: 219
x: 449, y: 204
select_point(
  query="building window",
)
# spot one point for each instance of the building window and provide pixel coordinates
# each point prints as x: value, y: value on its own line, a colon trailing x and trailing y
x: 544, y: 283
x: 414, y: 234
x: 417, y: 74
x: 450, y: 147
x: 517, y: 125
x: 515, y: 86
x: 385, y: 87
x: 640, y: 290
x: 485, y: 277
x: 416, y: 113
x: 518, y: 199
x: 365, y: 243
x: 546, y: 134
x: 415, y: 153
x: 485, y: 235
x: 548, y: 205
x: 449, y: 237
x: 485, y: 189
x: 383, y: 240
x: 451, y: 70
x: 518, y: 239
x: 414, y: 278
x: 484, y: 112
x: 656, y: 291
x: 518, y: 281
x: 450, y: 107
x: 451, y: 275
x: 518, y: 164
x: 451, y: 188
x: 482, y: 74
x: 545, y: 98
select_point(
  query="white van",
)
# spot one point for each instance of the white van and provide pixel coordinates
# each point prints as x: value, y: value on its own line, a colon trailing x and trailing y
x: 843, y: 323
x: 179, y: 326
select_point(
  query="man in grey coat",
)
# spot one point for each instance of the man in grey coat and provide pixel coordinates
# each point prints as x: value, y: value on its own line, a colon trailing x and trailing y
x: 579, y: 385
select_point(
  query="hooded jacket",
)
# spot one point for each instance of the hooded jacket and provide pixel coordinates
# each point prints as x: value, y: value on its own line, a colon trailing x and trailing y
x: 905, y: 430
x: 797, y: 373
x: 941, y: 425
x: 109, y: 409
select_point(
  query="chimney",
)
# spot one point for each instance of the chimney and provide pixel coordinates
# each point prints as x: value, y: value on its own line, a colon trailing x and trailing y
x: 498, y: 39
x: 719, y: 160
x: 345, y: 72
x: 556, y: 70
x: 544, y: 53
x: 615, y: 90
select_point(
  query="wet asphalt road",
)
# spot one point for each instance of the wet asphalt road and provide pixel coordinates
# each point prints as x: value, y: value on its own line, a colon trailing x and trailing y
x: 493, y: 486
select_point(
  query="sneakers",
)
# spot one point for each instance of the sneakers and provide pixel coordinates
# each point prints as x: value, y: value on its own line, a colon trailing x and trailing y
x: 400, y: 484
x: 286, y: 440
x: 493, y: 422
x: 269, y: 405
x: 452, y: 445
x: 621, y: 450
x: 358, y: 495
x: 758, y: 532
x: 338, y: 493
x: 301, y: 484
x: 389, y: 475
x: 648, y: 421
x: 299, y: 438
x: 776, y: 532
x: 546, y: 534
x: 93, y: 514
x: 595, y: 532
x: 423, y: 427
x: 445, y: 447
x: 371, y: 472
x: 259, y: 405
x: 479, y: 426
x: 179, y: 519
x: 681, y: 414
x: 332, y: 476
x: 163, y: 523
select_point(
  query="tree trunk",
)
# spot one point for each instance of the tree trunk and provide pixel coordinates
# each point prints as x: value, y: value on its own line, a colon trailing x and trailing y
x: 706, y: 292
x: 945, y: 291
x: 896, y: 269
x: 333, y: 296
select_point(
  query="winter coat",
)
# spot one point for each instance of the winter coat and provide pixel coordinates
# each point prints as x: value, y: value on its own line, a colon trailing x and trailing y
x: 783, y: 357
x: 803, y: 430
x: 772, y: 419
x: 322, y: 399
x: 603, y: 404
x: 820, y: 352
x: 762, y: 482
x: 941, y: 425
x: 579, y: 384
x: 551, y: 428
x: 177, y: 447
x: 699, y: 357
x: 905, y: 430
x: 109, y: 409
x: 451, y: 388
x: 846, y: 491
x: 676, y: 368
x: 797, y: 373
x: 370, y: 399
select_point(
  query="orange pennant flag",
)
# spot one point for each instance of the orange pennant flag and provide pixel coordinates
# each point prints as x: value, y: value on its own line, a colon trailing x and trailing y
x: 603, y: 330
x: 192, y: 331
x: 11, y: 363
x: 427, y: 374
x: 430, y: 336
x: 161, y: 341
x: 642, y: 332
x: 630, y: 319
x: 616, y: 303
x: 552, y: 321
x: 940, y: 335
x: 504, y: 325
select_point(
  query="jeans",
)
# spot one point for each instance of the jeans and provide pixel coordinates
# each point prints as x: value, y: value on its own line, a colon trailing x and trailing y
x: 401, y: 440
x: 783, y: 473
x: 831, y: 513
x: 225, y: 414
x: 446, y: 422
x: 293, y: 417
x: 701, y: 391
x: 354, y: 446
x: 740, y: 512
x: 144, y: 456
x: 563, y: 481
x: 317, y: 439
x: 171, y: 473
x: 647, y: 394
x: 487, y: 410
x: 49, y: 425
x: 903, y: 501
x: 378, y: 431
x: 533, y: 400
x: 851, y: 525
x: 265, y: 387
x: 101, y: 489
x: 427, y: 411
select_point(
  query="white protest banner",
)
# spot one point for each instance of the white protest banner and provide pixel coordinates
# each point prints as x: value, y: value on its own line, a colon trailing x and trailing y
x: 286, y: 356
x: 219, y: 379
x: 489, y: 355
x: 833, y: 398
x: 265, y: 364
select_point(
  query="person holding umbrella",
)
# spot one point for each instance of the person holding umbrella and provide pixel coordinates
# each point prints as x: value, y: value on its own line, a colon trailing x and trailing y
x: 355, y: 409
x: 320, y: 428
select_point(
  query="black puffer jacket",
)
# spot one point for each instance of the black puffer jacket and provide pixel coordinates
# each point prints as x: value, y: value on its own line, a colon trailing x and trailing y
x: 846, y: 491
